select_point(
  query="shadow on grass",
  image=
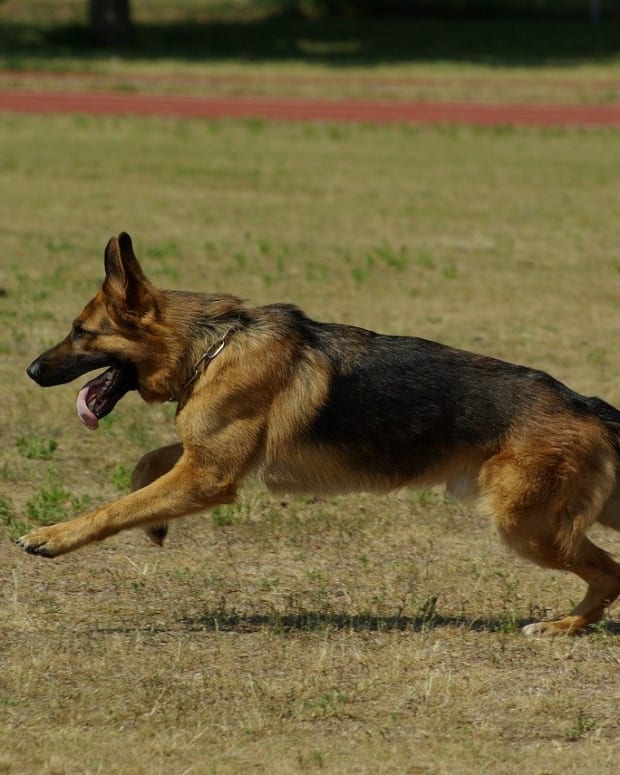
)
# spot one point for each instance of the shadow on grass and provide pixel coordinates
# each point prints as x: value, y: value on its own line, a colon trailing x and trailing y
x: 225, y: 621
x: 339, y: 42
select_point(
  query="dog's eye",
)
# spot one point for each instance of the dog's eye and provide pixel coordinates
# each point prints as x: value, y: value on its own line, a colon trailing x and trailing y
x: 79, y: 332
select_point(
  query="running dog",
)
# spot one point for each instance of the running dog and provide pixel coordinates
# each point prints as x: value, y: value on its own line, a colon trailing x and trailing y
x: 325, y: 408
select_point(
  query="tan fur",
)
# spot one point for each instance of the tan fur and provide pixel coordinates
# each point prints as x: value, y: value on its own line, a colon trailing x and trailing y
x: 544, y: 488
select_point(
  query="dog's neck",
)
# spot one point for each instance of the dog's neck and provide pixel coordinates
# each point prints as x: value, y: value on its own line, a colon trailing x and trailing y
x: 191, y: 342
x: 202, y: 364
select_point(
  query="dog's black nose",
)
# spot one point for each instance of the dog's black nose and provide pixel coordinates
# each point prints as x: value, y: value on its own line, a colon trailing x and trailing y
x: 34, y: 370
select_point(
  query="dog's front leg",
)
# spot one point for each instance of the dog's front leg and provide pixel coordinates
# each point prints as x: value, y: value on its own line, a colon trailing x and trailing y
x: 185, y: 489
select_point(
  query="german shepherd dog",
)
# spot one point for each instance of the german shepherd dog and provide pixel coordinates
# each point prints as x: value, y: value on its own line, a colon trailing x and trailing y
x: 325, y: 408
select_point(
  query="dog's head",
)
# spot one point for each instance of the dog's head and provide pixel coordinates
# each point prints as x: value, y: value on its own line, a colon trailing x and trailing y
x: 108, y: 333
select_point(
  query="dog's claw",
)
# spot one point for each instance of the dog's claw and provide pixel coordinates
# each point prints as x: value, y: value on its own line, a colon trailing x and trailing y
x: 32, y: 548
x: 39, y: 547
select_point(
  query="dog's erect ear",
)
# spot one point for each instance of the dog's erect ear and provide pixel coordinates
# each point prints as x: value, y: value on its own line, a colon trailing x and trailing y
x: 125, y: 283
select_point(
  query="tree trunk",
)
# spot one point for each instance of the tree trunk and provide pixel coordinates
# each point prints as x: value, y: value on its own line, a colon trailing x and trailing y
x: 110, y: 22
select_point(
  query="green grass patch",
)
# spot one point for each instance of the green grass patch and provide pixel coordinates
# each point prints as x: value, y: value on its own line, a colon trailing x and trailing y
x: 54, y: 503
x: 121, y: 478
x: 35, y: 447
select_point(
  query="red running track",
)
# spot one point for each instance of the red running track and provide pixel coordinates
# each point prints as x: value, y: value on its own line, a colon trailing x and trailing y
x: 297, y: 109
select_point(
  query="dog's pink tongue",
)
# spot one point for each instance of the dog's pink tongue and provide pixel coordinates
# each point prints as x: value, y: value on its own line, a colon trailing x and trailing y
x: 86, y: 415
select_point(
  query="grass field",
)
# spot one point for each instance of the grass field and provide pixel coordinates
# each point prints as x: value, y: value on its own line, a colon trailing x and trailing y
x: 348, y: 635
x: 351, y: 635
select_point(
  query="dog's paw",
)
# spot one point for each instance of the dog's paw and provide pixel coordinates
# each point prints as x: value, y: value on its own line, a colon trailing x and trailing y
x: 44, y: 541
x: 538, y: 629
x: 568, y: 626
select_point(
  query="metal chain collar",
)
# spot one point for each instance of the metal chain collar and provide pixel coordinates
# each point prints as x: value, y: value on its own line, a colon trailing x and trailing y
x: 212, y: 351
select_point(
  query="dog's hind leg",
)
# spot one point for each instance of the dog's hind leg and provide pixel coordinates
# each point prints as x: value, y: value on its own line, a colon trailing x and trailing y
x: 544, y: 493
x: 589, y: 562
x: 150, y: 467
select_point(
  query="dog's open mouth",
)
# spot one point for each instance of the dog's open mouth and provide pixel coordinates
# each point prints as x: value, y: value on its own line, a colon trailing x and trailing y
x: 100, y: 395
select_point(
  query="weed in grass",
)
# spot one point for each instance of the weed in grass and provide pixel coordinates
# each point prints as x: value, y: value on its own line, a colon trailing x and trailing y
x: 427, y: 613
x: 53, y: 503
x: 229, y: 515
x: 329, y: 704
x: 57, y: 246
x: 450, y: 272
x: 223, y: 616
x: 48, y: 505
x: 379, y: 601
x: 80, y: 503
x: 264, y: 248
x: 362, y: 272
x: 425, y: 259
x: 581, y: 727
x: 315, y: 273
x: 6, y: 510
x: 391, y: 258
x: 16, y: 527
x: 108, y: 422
x: 121, y: 478
x: 426, y: 497
x: 269, y: 584
x: 166, y: 258
x: 7, y: 473
x: 313, y: 760
x: 36, y: 447
x: 239, y: 260
x: 358, y: 274
x: 184, y: 575
x: 254, y: 125
x: 50, y: 282
x: 508, y: 622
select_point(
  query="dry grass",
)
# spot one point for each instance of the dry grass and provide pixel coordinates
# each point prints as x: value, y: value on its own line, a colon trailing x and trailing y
x: 349, y: 635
